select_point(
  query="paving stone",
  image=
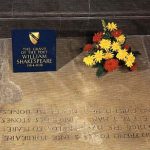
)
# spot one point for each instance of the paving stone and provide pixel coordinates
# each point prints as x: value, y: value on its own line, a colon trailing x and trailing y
x: 6, y: 8
x: 146, y: 40
x: 65, y: 16
x: 35, y: 7
x: 72, y: 105
x: 138, y: 44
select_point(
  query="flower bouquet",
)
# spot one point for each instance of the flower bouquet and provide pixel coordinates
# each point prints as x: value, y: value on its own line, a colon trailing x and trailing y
x: 109, y: 51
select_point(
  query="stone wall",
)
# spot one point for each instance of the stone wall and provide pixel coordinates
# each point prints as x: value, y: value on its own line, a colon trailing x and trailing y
x: 74, y: 17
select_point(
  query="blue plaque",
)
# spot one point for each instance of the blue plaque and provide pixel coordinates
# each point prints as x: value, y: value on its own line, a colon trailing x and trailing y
x: 34, y: 50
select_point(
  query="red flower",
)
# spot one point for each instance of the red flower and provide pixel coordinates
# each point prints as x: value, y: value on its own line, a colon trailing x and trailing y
x: 116, y: 33
x: 111, y: 65
x: 134, y: 67
x: 127, y: 47
x: 97, y: 37
x: 87, y: 47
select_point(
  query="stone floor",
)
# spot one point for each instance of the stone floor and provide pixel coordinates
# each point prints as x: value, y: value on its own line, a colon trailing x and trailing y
x: 72, y: 109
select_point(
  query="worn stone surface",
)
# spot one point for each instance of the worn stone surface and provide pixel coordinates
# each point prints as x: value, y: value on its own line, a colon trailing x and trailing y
x: 9, y: 91
x: 6, y: 8
x: 75, y: 7
x: 115, y: 7
x: 73, y: 109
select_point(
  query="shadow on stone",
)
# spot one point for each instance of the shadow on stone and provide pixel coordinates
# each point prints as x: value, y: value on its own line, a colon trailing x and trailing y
x: 67, y: 49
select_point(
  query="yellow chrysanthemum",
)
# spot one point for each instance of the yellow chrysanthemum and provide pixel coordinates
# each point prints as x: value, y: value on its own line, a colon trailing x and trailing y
x: 105, y: 44
x: 129, y: 64
x: 115, y: 46
x: 89, y: 60
x: 98, y: 56
x: 112, y: 26
x: 130, y: 59
x: 108, y: 55
x: 122, y: 54
x: 121, y: 39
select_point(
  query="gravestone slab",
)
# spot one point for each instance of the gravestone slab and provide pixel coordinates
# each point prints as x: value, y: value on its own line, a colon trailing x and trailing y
x: 73, y: 109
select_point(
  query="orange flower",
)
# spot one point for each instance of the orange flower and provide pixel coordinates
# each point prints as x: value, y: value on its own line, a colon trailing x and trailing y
x: 116, y: 33
x: 87, y: 47
x: 134, y: 67
x: 97, y: 37
x: 126, y: 47
x: 111, y: 65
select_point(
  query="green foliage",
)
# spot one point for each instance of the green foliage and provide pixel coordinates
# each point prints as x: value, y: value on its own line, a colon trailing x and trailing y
x: 107, y: 35
x: 100, y: 70
x: 136, y: 53
x: 104, y: 25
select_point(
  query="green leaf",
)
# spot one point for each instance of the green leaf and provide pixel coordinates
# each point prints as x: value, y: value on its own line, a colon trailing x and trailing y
x: 107, y: 35
x: 136, y: 53
x: 100, y: 70
x: 104, y: 24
